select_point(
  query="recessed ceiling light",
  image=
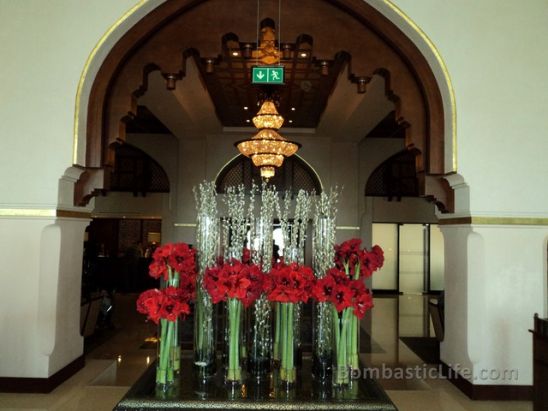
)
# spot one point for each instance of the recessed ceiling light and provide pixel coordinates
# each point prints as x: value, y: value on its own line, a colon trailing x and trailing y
x: 235, y: 53
x: 291, y: 121
x: 303, y: 54
x: 245, y: 107
x: 247, y: 121
x: 292, y: 108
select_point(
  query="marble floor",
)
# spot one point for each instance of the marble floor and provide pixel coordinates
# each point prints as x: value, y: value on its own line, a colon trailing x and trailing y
x: 113, y: 366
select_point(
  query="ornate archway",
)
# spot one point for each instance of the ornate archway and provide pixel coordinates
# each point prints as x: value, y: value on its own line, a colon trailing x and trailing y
x: 165, y: 38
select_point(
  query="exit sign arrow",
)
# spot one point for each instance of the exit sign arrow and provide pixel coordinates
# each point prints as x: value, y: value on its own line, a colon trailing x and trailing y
x: 267, y: 75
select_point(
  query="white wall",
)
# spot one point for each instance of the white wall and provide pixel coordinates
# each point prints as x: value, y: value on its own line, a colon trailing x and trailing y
x: 44, y: 49
x: 500, y: 87
x: 126, y: 205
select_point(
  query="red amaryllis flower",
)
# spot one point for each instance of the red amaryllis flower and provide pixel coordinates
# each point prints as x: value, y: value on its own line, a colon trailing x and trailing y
x: 158, y: 269
x: 187, y: 285
x: 290, y: 283
x: 258, y: 281
x: 323, y: 288
x: 173, y: 304
x: 356, y: 262
x: 167, y: 304
x: 342, y: 297
x: 178, y: 257
x: 362, y: 303
x: 182, y: 259
x: 149, y: 303
x: 234, y: 280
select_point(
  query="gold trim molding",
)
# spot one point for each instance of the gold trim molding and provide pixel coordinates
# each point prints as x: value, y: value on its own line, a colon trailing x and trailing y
x: 37, y: 213
x: 85, y: 71
x: 184, y: 225
x: 531, y: 221
x: 347, y: 227
x: 445, y: 72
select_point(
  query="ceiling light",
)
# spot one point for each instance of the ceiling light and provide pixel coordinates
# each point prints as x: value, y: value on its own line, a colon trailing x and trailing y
x: 267, y: 149
x: 303, y: 54
x: 245, y: 107
x: 292, y: 108
x: 209, y: 66
x: 235, y: 53
x: 290, y: 121
x: 268, y: 116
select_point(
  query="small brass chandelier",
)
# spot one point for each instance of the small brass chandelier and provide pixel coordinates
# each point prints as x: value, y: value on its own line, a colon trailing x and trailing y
x: 267, y: 149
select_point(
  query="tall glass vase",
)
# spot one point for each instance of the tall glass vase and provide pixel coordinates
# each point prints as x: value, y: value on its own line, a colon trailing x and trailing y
x: 323, y: 242
x: 168, y: 363
x: 321, y: 340
x: 204, y: 335
x: 207, y: 243
x: 289, y: 334
x: 233, y: 353
x: 260, y: 340
x: 345, y: 341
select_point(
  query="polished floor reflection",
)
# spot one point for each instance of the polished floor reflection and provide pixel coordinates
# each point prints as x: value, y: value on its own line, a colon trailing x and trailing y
x: 113, y: 366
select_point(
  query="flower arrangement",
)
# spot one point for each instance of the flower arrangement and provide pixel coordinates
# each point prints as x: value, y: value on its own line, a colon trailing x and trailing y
x: 289, y: 285
x: 343, y: 286
x: 175, y: 266
x: 239, y: 285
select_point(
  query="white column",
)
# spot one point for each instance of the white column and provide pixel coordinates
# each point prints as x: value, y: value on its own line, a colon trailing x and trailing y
x: 495, y: 280
x: 40, y: 294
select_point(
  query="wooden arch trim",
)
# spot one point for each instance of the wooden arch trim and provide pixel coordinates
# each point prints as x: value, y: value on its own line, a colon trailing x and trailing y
x: 429, y: 139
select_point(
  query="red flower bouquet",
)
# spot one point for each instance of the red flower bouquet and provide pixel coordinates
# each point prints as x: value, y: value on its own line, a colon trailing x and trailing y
x: 344, y: 287
x: 239, y: 285
x: 175, y: 265
x: 289, y: 284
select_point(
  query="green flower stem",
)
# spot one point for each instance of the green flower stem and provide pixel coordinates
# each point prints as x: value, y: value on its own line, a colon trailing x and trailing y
x: 164, y: 373
x: 290, y: 344
x: 287, y: 342
x: 200, y: 320
x: 234, y: 312
x: 283, y: 340
x: 354, y: 350
x: 277, y: 330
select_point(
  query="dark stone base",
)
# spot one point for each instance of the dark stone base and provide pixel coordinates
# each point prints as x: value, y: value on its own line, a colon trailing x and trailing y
x: 41, y: 385
x: 264, y: 394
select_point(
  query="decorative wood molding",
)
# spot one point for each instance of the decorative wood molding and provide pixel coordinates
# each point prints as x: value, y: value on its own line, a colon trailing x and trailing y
x: 41, y: 385
x: 73, y: 214
x: 481, y: 220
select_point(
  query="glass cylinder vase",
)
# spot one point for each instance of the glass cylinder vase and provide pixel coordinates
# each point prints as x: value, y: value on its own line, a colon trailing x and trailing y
x: 321, y: 340
x: 341, y: 333
x: 289, y: 338
x: 260, y: 338
x: 204, y: 335
x: 168, y: 362
x: 233, y: 355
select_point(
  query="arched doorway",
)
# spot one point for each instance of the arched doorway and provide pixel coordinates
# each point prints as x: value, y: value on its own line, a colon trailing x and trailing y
x: 371, y: 43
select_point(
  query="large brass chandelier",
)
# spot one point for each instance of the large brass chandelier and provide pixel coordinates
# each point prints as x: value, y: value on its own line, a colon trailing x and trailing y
x: 267, y: 149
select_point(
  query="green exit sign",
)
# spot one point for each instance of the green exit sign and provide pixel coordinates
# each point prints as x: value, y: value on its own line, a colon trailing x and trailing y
x: 267, y: 75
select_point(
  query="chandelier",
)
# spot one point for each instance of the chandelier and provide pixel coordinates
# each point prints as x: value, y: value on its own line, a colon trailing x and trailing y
x: 267, y: 149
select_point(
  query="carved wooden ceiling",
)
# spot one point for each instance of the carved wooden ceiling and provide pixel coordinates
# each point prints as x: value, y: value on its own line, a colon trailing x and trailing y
x: 302, y: 98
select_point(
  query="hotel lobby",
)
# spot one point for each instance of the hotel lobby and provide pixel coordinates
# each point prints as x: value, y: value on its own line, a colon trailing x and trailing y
x: 426, y: 120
